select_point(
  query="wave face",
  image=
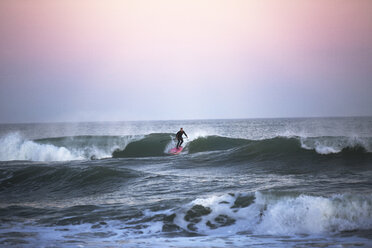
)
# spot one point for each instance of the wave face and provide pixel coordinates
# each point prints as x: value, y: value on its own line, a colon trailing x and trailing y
x: 151, y: 145
x: 321, y: 145
x: 158, y: 145
x: 14, y: 147
x: 39, y: 180
x: 215, y: 143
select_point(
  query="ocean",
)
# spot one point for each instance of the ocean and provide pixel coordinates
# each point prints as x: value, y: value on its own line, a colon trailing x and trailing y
x: 298, y: 182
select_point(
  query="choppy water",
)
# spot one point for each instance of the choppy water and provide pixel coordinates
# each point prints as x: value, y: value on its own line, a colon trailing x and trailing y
x: 238, y: 183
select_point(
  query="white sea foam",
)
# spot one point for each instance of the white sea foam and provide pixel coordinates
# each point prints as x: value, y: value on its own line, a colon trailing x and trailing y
x: 328, y: 145
x: 284, y: 215
x: 269, y: 214
x: 117, y: 234
x: 314, y: 215
x: 198, y: 134
x: 171, y: 144
x: 14, y: 147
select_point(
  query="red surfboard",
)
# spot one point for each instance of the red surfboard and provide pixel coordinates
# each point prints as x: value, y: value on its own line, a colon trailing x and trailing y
x: 176, y: 150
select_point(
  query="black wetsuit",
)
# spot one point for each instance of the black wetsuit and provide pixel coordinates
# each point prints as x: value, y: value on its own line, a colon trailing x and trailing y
x: 179, y: 138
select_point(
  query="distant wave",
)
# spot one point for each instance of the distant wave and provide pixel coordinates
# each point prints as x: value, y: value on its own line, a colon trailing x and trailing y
x: 332, y: 144
x: 67, y: 180
x: 15, y: 147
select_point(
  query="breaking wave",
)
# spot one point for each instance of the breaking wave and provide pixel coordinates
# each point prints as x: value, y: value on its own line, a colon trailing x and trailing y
x: 15, y: 147
x: 272, y: 213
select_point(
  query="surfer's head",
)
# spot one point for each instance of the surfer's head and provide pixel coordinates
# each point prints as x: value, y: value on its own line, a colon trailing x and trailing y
x: 181, y: 129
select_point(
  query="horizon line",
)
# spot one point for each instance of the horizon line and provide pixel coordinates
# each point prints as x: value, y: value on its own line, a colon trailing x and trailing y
x: 190, y: 119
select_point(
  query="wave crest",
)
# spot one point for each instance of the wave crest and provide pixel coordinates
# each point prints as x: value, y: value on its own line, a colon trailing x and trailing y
x: 15, y: 147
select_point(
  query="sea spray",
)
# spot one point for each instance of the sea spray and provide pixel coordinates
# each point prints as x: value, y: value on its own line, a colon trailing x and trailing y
x: 14, y: 147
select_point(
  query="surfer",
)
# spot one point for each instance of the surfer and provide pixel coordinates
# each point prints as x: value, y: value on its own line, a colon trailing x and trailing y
x: 179, y: 137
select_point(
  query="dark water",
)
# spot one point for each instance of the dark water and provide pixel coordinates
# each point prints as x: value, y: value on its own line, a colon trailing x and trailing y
x: 238, y: 183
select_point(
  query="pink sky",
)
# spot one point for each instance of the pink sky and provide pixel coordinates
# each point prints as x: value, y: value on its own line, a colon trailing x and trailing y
x: 232, y: 58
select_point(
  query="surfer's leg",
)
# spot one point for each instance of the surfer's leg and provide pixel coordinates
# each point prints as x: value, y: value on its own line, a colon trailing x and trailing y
x: 181, y: 141
x: 178, y: 143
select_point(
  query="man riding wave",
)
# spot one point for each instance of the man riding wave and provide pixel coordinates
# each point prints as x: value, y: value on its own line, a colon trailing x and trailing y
x: 179, y: 137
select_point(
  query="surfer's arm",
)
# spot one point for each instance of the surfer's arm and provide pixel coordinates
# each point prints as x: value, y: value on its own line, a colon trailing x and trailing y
x: 186, y: 134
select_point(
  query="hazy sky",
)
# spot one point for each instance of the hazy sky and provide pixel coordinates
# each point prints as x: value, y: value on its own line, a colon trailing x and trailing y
x: 86, y: 60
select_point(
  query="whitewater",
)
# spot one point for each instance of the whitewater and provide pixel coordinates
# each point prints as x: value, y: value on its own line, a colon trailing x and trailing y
x: 300, y: 182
